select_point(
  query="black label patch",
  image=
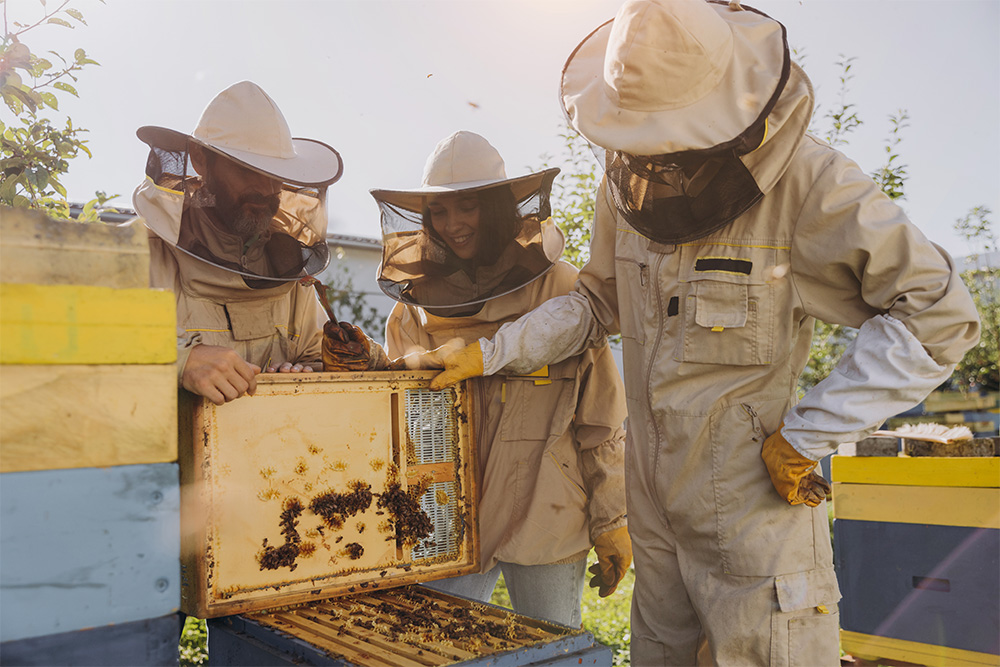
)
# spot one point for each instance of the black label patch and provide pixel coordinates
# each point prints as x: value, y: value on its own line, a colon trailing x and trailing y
x: 724, y: 265
x: 672, y: 306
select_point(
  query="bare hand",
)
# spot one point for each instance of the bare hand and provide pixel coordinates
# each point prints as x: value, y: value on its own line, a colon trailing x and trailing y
x: 218, y: 374
x: 288, y: 367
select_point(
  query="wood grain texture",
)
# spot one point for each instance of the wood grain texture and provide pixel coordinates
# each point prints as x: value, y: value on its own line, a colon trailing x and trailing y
x: 87, y: 416
x: 37, y: 249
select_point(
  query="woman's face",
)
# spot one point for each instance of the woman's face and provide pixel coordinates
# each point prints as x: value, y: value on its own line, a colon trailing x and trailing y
x: 456, y: 220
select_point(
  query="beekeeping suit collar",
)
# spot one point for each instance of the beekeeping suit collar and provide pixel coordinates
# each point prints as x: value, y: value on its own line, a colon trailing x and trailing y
x: 677, y: 95
x: 241, y: 126
x: 517, y: 243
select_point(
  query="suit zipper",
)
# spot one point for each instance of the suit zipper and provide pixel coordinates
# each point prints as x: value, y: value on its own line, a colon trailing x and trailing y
x: 649, y: 366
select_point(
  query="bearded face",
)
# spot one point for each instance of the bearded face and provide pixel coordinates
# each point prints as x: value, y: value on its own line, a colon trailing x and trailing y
x: 245, y: 200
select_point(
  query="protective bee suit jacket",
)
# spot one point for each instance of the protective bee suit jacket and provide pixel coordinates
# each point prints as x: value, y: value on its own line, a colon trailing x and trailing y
x: 716, y: 332
x: 550, y: 447
x: 266, y: 327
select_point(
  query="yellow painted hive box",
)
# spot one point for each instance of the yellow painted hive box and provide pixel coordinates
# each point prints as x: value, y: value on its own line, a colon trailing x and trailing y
x: 324, y: 484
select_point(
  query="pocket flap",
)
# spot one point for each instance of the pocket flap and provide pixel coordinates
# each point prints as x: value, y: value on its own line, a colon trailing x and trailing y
x: 721, y: 305
x: 802, y: 590
x: 253, y: 319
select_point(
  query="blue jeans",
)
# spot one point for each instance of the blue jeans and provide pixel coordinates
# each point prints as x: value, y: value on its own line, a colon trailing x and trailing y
x: 549, y: 592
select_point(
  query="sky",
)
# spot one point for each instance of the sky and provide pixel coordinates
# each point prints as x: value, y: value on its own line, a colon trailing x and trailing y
x: 383, y: 81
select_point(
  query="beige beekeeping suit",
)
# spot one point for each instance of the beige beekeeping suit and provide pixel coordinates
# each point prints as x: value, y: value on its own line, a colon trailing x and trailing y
x: 716, y: 332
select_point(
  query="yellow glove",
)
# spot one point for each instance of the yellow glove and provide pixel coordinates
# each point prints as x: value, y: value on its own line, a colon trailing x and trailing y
x: 791, y: 473
x: 465, y: 363
x: 614, y: 555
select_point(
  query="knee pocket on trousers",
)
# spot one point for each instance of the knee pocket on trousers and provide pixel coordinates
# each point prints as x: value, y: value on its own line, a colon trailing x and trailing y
x: 805, y: 638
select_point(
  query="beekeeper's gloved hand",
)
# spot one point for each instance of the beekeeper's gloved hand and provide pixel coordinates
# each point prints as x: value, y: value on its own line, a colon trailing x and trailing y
x: 465, y: 363
x: 347, y: 348
x: 614, y: 555
x: 791, y: 473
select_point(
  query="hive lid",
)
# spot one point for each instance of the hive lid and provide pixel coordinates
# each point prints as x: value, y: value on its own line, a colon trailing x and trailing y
x: 324, y: 484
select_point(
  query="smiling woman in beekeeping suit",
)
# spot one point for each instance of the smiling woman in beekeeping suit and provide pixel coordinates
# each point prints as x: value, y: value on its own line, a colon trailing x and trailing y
x: 467, y: 251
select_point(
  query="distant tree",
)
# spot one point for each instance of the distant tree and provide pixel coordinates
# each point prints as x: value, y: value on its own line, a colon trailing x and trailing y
x: 978, y: 369
x: 34, y: 151
x: 573, y: 193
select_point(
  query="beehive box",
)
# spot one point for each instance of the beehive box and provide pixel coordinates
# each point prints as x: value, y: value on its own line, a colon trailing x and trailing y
x: 412, y: 626
x: 324, y: 484
x: 917, y: 544
x: 89, y: 491
x: 88, y: 350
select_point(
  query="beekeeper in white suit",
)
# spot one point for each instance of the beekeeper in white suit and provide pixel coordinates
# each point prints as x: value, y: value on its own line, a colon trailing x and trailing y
x: 721, y: 231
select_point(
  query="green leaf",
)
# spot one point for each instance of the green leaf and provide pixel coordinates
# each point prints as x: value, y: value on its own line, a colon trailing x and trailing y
x: 59, y: 21
x: 58, y: 186
x: 50, y: 100
x: 10, y: 162
x: 10, y: 78
x: 62, y: 85
x: 75, y: 13
x: 22, y: 95
x: 7, y: 186
x: 42, y: 179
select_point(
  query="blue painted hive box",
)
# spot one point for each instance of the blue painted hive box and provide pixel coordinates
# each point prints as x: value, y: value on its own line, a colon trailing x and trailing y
x: 917, y: 550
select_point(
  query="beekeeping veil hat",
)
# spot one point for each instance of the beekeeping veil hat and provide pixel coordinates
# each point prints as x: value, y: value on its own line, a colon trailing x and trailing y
x: 676, y: 93
x: 243, y: 125
x: 517, y: 240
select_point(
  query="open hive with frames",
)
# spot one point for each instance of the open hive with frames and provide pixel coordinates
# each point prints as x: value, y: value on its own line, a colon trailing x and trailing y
x: 324, y: 484
x: 310, y: 510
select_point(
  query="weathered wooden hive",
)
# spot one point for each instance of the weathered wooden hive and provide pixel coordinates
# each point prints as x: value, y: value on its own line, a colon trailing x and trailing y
x: 89, y: 492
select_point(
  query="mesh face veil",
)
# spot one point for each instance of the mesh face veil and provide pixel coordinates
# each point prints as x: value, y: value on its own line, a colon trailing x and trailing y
x: 683, y: 196
x: 515, y: 243
x: 241, y: 219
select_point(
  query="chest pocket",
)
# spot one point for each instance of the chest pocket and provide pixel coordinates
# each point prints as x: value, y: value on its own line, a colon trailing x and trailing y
x: 632, y: 281
x: 535, y: 407
x: 727, y: 316
x: 250, y: 320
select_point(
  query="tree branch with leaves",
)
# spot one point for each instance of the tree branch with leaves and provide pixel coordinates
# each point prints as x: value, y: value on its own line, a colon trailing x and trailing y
x: 34, y: 151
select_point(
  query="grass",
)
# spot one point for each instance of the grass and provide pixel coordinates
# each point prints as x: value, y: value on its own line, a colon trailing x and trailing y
x: 194, y: 643
x: 607, y: 618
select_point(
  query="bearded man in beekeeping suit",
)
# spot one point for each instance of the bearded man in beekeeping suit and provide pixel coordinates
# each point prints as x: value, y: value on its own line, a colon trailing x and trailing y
x: 237, y: 218
x: 721, y: 231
